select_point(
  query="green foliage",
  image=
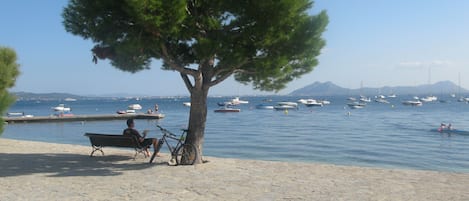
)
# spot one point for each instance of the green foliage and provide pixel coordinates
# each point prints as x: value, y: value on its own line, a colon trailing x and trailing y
x: 263, y: 43
x: 8, y: 73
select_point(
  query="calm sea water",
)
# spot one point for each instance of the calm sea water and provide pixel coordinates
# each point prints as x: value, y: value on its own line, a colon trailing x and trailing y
x: 379, y: 135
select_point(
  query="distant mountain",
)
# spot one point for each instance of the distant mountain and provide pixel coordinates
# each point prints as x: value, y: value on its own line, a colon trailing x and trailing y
x: 329, y: 89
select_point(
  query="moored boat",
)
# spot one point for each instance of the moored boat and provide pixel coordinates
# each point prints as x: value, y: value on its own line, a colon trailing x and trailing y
x: 284, y: 107
x: 265, y: 106
x: 313, y: 103
x: 135, y: 107
x: 237, y: 101
x: 227, y: 109
x: 61, y: 108
x: 356, y: 105
x: 413, y: 103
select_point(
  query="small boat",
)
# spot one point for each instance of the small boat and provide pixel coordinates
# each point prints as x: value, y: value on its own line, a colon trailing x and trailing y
x: 413, y: 103
x: 227, y: 109
x: 284, y: 107
x: 135, y: 107
x: 126, y: 112
x: 70, y: 99
x: 15, y: 114
x: 237, y: 101
x: 313, y: 103
x: 187, y: 104
x: 225, y: 104
x: 61, y: 108
x: 293, y: 104
x: 381, y: 100
x: 450, y: 131
x: 265, y: 107
x: 429, y: 99
x: 356, y: 105
x: 365, y: 99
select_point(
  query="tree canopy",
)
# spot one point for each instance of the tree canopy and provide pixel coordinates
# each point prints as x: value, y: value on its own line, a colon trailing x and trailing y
x: 263, y: 43
x: 9, y: 70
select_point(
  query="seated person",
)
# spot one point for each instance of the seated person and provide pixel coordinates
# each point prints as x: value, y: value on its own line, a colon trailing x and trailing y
x: 144, y: 142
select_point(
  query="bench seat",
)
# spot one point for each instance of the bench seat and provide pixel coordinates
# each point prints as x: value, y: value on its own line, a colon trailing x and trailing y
x: 98, y: 141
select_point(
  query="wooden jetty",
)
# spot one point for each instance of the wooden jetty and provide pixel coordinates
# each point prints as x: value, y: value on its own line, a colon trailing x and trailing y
x: 98, y: 117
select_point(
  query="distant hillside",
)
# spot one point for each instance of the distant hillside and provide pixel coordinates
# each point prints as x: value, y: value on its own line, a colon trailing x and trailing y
x: 45, y: 96
x: 329, y: 89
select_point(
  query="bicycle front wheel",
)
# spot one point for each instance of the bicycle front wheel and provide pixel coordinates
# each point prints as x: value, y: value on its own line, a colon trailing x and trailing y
x: 186, y: 154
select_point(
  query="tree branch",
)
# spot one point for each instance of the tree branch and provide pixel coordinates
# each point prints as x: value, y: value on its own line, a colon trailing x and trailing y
x: 221, y: 78
x: 175, y: 66
x: 187, y: 82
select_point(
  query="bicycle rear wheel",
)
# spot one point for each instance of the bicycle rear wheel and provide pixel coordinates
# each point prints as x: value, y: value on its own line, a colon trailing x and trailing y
x: 186, y: 154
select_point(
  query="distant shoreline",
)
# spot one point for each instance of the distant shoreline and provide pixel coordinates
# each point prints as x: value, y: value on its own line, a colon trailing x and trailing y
x: 314, y: 89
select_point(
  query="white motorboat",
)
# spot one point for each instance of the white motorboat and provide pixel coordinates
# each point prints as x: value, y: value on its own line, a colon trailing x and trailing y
x: 413, y: 103
x: 365, y: 99
x: 429, y: 99
x: 381, y: 100
x: 325, y: 102
x: 135, y: 107
x: 313, y: 103
x: 187, y: 104
x: 70, y: 99
x: 237, y: 101
x: 303, y: 101
x: 356, y: 105
x: 284, y: 107
x: 265, y: 107
x: 61, y: 108
x: 129, y: 111
x: 286, y: 103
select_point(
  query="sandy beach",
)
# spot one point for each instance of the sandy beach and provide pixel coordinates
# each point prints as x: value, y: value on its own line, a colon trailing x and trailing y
x: 45, y: 171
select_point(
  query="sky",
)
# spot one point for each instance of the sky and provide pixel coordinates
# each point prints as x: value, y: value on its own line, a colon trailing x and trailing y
x: 369, y: 43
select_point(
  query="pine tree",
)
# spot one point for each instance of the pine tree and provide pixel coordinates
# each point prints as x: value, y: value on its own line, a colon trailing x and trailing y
x: 9, y: 70
x: 263, y: 43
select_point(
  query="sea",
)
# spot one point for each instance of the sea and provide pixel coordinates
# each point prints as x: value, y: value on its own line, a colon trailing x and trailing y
x: 380, y: 135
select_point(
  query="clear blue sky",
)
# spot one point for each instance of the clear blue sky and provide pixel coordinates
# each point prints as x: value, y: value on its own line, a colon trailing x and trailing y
x: 374, y: 42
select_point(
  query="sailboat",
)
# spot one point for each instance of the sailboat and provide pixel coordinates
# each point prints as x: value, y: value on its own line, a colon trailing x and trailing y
x: 429, y: 98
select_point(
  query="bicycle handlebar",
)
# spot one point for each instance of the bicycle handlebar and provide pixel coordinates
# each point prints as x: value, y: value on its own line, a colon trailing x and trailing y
x: 165, y: 131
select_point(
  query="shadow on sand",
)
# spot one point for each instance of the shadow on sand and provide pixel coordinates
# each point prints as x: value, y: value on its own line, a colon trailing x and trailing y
x: 62, y: 165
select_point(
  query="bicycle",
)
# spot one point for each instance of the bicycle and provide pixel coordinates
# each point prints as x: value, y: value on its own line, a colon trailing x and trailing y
x: 181, y: 153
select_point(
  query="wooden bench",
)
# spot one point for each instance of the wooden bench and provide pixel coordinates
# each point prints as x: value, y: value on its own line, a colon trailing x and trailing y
x: 98, y: 141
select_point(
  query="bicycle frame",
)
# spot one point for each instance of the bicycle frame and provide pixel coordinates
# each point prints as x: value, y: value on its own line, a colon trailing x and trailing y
x: 172, y: 149
x: 179, y: 151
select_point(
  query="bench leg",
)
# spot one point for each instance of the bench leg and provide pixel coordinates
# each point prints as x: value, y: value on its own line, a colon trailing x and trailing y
x: 97, y: 148
x: 139, y: 150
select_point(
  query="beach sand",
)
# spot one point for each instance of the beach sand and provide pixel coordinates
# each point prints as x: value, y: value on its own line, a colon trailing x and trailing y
x: 45, y: 171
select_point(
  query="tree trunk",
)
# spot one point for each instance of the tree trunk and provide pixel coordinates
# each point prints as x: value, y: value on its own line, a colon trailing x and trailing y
x: 197, y: 120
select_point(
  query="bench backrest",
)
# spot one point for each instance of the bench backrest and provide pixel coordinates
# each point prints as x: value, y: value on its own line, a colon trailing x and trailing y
x: 113, y: 140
